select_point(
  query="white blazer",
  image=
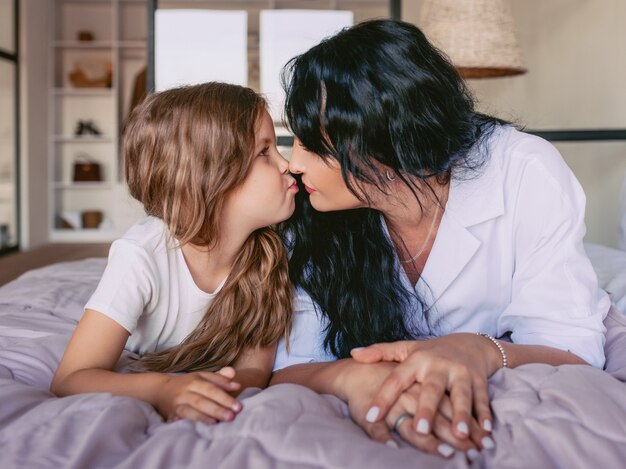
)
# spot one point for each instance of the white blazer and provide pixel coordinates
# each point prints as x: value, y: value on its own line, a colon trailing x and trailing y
x: 508, y: 258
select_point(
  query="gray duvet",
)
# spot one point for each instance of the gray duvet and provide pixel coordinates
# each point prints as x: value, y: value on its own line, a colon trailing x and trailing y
x: 568, y: 416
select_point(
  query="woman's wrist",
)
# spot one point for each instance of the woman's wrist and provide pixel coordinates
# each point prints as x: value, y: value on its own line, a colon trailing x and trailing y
x: 495, y: 353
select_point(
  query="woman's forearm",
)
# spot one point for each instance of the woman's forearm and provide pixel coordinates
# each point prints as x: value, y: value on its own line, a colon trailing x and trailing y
x: 144, y: 386
x: 518, y: 354
x: 324, y: 378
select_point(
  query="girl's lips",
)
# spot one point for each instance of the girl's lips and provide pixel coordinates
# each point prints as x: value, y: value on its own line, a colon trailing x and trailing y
x: 294, y: 187
x: 308, y: 189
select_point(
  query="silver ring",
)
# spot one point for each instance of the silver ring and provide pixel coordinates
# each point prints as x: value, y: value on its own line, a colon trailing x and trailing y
x: 399, y: 421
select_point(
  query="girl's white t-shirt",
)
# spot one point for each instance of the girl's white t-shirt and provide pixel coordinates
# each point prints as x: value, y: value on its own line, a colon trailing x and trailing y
x: 148, y: 289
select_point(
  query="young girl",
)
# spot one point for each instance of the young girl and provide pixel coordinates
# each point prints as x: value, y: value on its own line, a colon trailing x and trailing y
x: 200, y: 285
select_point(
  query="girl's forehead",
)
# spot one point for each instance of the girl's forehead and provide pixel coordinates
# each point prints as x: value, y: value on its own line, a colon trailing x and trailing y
x: 265, y: 127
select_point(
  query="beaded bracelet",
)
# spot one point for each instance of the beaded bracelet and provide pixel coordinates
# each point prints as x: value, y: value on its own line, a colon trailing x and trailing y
x: 505, y: 360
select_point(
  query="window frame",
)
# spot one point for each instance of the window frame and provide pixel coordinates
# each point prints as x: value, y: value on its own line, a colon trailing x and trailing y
x: 13, y: 57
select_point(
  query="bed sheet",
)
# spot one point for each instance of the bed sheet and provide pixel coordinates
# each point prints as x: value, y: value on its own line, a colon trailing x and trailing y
x: 567, y: 416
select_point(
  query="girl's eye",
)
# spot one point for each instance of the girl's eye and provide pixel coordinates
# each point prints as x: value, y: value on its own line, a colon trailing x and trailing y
x: 265, y: 152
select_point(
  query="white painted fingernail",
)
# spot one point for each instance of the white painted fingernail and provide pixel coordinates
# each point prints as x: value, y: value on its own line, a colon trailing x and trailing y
x: 372, y: 414
x: 488, y: 443
x: 392, y: 444
x: 236, y: 407
x: 472, y: 454
x: 423, y: 427
x: 356, y: 349
x: 487, y: 425
x: 463, y: 428
x: 445, y: 450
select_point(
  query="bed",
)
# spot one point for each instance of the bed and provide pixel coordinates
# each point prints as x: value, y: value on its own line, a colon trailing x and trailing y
x: 567, y: 416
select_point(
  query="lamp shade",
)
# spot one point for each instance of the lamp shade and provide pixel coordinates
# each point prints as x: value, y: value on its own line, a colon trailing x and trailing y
x: 477, y: 35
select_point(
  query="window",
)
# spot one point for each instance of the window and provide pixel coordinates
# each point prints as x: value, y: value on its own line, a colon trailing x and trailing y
x: 274, y: 33
x: 9, y: 176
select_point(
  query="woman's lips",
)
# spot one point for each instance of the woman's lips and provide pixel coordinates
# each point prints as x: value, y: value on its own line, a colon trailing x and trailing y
x: 294, y: 187
x: 308, y: 189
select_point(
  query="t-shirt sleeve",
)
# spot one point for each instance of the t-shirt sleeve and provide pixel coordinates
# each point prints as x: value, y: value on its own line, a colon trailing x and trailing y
x: 306, y: 342
x: 555, y: 300
x: 127, y: 286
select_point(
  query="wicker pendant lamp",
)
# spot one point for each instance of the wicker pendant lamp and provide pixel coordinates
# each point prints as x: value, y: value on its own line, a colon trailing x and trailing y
x: 477, y: 35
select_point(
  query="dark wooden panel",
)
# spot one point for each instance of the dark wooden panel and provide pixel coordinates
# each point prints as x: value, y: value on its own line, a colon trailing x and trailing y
x: 14, y: 265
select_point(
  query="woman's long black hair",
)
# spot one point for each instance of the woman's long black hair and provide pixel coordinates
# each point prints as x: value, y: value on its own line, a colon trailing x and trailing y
x: 377, y: 92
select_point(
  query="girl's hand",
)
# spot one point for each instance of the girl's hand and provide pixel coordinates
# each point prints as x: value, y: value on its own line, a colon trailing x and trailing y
x: 457, y: 363
x: 201, y: 395
x: 360, y: 383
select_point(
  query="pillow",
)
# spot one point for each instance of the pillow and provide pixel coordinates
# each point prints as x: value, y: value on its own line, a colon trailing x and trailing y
x: 610, y: 267
x: 621, y: 229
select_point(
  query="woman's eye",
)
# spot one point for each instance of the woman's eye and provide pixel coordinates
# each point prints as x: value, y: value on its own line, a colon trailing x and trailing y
x: 265, y: 152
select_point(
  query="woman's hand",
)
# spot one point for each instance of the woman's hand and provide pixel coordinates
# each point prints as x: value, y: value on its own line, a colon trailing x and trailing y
x: 457, y: 363
x: 202, y: 396
x: 359, y: 385
x: 442, y: 440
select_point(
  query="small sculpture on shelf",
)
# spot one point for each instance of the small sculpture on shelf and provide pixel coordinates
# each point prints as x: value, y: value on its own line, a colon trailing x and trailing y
x: 86, y: 127
x: 91, y: 219
x: 87, y: 219
x: 84, y: 36
x: 79, y: 79
x: 86, y: 170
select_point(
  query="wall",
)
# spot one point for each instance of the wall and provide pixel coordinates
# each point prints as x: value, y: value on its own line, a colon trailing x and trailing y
x: 577, y: 67
x: 33, y: 125
x: 574, y: 51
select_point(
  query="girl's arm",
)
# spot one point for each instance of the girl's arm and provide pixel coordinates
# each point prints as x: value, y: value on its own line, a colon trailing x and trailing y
x: 95, y: 348
x: 323, y: 377
x: 254, y: 367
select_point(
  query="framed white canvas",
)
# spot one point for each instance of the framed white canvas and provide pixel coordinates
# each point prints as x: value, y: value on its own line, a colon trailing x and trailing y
x: 196, y: 46
x: 283, y: 34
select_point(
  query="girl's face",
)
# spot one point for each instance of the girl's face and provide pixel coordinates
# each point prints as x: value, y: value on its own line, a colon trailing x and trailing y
x: 322, y: 179
x: 266, y: 196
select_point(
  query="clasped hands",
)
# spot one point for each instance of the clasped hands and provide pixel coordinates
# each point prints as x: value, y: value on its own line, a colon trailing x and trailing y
x: 201, y: 395
x: 433, y: 393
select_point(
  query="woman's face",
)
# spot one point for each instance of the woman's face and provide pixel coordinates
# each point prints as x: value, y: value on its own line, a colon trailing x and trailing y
x: 322, y: 179
x: 266, y: 196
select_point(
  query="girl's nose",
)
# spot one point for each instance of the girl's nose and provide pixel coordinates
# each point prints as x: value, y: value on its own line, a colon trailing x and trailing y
x: 295, y: 167
x: 283, y: 165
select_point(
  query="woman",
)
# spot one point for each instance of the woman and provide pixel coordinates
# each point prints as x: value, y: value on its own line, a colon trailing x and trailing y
x: 425, y: 219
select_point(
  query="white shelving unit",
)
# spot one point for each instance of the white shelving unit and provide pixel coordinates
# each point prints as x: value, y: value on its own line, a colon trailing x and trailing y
x: 119, y: 28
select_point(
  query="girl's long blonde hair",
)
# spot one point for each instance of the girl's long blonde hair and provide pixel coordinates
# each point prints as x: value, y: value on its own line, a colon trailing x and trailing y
x: 185, y: 150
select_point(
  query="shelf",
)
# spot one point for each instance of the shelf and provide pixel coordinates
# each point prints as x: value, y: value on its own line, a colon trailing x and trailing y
x: 83, y: 44
x: 119, y: 29
x: 62, y: 139
x: 87, y: 2
x: 83, y: 92
x: 82, y: 185
x: 84, y: 235
x: 133, y: 44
